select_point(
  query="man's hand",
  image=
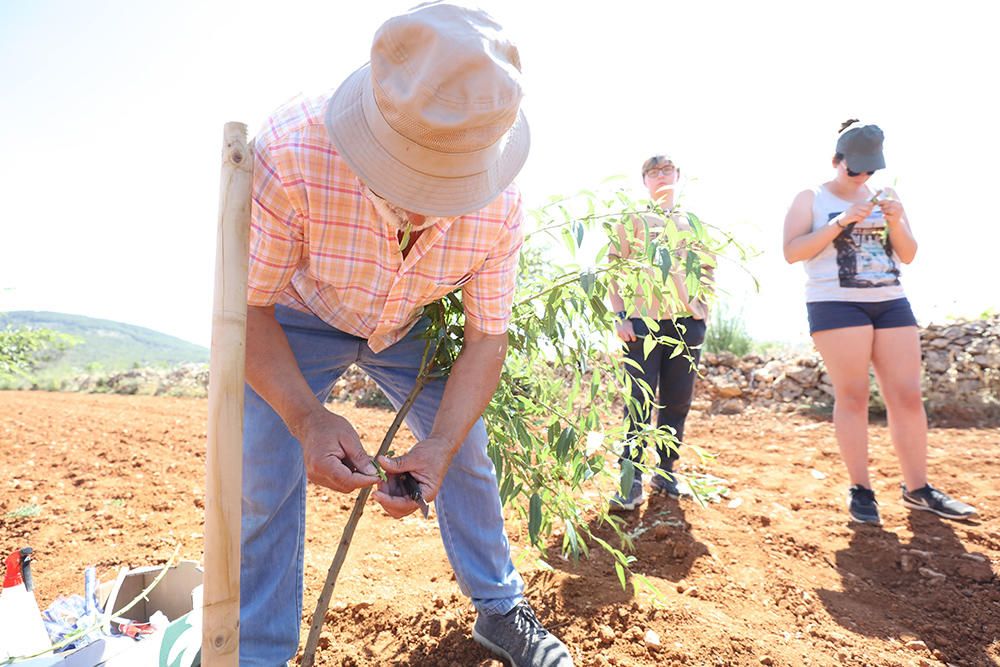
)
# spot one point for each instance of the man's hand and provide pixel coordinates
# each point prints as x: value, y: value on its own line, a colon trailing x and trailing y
x: 625, y: 330
x: 333, y: 454
x: 427, y: 462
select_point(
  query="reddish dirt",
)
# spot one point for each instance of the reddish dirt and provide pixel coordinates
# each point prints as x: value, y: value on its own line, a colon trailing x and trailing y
x: 772, y: 575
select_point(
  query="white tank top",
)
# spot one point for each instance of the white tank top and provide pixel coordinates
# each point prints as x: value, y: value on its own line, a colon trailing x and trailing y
x: 860, y: 264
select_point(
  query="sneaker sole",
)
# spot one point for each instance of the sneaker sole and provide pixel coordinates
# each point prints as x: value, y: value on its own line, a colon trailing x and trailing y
x: 625, y: 507
x: 870, y: 522
x: 487, y: 644
x: 924, y: 508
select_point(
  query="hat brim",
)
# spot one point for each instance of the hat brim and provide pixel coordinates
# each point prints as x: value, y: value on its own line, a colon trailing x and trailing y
x: 864, y: 163
x: 402, y: 185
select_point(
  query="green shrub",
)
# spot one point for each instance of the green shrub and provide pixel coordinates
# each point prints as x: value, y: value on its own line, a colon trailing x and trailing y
x: 726, y: 332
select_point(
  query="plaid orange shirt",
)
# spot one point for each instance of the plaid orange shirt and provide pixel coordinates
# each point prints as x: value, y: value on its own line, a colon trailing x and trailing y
x: 317, y: 244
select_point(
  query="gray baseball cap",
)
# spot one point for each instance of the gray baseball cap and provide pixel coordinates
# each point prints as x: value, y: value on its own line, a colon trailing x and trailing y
x: 861, y: 147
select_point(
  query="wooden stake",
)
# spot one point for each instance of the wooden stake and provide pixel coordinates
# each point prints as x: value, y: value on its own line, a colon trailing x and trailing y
x: 224, y: 458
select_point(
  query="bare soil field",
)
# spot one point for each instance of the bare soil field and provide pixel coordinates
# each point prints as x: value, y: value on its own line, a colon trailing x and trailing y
x: 773, y: 574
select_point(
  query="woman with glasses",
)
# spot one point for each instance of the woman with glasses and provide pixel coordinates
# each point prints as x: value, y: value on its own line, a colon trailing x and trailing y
x: 852, y: 240
x: 672, y: 376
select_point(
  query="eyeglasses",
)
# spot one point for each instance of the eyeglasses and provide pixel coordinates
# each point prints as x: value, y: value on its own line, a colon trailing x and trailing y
x: 661, y: 171
x: 852, y: 174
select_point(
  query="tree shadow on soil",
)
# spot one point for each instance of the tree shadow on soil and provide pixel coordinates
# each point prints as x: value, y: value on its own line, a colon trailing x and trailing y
x: 930, y: 590
x: 664, y: 548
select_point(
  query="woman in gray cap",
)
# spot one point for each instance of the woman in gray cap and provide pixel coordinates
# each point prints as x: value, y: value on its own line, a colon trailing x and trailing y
x: 852, y: 240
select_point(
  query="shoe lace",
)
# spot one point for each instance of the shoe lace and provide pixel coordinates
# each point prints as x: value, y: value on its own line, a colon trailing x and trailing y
x: 861, y: 493
x: 524, y: 620
x: 938, y: 497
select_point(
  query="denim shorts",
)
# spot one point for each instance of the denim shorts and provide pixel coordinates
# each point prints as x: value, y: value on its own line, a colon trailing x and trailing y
x: 824, y: 315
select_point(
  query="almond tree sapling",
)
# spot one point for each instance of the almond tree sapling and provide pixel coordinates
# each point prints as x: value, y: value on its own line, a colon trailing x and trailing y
x: 554, y: 422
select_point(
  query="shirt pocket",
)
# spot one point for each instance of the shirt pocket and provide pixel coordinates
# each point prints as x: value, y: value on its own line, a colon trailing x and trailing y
x: 425, y: 291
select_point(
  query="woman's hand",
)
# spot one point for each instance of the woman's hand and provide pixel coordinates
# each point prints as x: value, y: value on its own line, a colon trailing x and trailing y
x: 892, y: 210
x: 856, y: 213
x: 625, y: 330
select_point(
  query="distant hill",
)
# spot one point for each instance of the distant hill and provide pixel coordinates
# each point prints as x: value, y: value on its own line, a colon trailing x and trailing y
x: 107, y: 344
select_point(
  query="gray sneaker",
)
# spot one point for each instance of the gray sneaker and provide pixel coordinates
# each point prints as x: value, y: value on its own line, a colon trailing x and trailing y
x: 519, y: 637
x: 929, y: 499
x: 665, y: 482
x: 620, y: 503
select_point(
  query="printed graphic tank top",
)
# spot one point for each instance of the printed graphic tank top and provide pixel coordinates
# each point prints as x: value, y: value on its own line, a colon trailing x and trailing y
x: 860, y: 264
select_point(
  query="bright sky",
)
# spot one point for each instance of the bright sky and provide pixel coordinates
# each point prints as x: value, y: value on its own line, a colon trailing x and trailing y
x: 112, y: 116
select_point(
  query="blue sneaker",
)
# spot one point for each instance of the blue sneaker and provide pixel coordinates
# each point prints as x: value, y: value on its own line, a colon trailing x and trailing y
x: 929, y: 499
x: 664, y: 481
x: 862, y: 505
x: 635, y: 497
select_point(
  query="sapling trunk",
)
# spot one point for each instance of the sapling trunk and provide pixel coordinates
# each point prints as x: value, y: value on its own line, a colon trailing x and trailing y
x: 319, y: 616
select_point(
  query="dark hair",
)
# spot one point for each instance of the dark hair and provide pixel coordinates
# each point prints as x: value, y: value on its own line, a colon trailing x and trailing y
x: 846, y: 124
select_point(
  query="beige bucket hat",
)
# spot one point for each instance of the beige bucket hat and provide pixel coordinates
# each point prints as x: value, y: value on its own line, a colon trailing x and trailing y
x: 433, y: 122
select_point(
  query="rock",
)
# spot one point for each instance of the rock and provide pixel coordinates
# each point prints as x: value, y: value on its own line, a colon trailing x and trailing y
x: 731, y: 406
x: 907, y: 563
x: 766, y: 660
x: 727, y: 388
x: 979, y: 572
x: 727, y: 359
x: 952, y: 333
x: 652, y: 640
x: 932, y: 575
x: 916, y: 645
x: 605, y: 634
x: 804, y: 376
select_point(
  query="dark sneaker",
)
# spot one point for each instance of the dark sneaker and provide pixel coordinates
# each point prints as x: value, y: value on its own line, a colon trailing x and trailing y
x: 862, y: 505
x: 620, y: 503
x: 664, y: 481
x: 519, y: 637
x: 929, y: 499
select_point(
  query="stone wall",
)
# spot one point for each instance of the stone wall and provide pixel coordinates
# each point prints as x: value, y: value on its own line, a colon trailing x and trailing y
x: 961, y: 375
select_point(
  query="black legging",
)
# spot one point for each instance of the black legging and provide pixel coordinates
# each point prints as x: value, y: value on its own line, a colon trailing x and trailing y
x: 675, y: 379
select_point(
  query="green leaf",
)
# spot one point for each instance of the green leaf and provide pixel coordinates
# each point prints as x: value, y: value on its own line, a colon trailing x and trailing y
x: 648, y: 343
x: 566, y: 441
x: 569, y: 241
x: 628, y: 476
x: 621, y: 575
x: 696, y: 225
x: 534, y: 517
x: 578, y: 231
x: 601, y: 253
x: 664, y: 261
x: 587, y: 282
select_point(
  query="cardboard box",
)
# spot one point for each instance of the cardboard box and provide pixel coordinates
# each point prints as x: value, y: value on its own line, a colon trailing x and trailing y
x: 178, y: 596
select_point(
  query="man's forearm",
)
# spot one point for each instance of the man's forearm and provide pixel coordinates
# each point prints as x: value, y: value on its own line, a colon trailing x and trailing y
x: 473, y: 379
x: 272, y: 371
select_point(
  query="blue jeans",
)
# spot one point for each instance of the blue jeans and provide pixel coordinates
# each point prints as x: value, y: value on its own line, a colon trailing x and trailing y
x: 274, y: 491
